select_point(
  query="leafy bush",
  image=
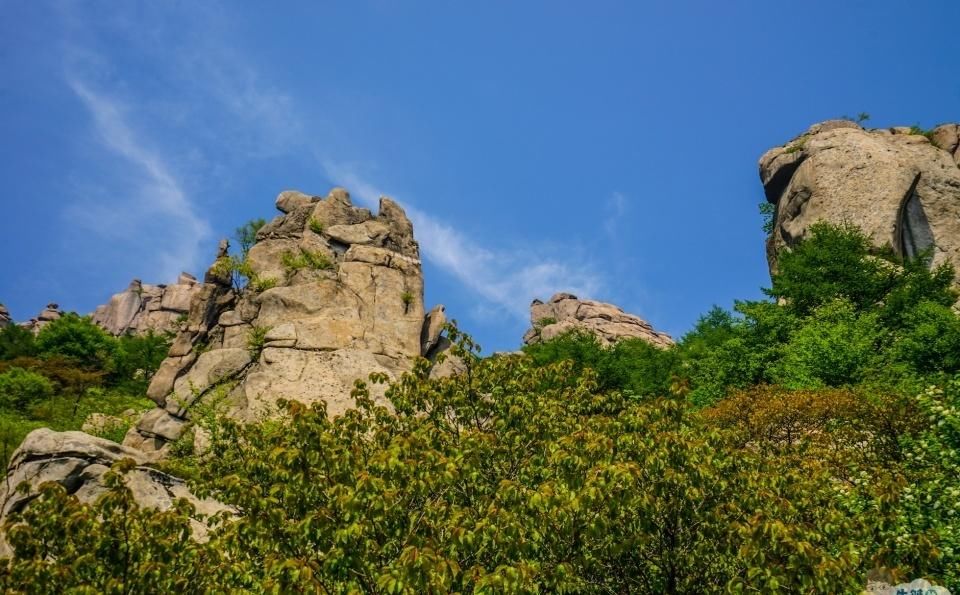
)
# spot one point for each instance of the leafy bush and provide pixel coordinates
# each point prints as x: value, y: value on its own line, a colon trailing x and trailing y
x: 315, y: 225
x: 256, y: 339
x: 833, y: 347
x: 305, y: 259
x: 929, y: 505
x: 78, y: 338
x: 512, y: 477
x: 16, y: 341
x: 21, y: 388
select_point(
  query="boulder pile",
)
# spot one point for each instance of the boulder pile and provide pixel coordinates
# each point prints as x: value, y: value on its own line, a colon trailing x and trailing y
x: 142, y: 307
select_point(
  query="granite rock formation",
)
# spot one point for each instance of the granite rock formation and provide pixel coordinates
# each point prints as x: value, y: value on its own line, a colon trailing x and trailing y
x: 46, y: 316
x: 335, y: 293
x: 5, y: 319
x: 78, y: 461
x: 900, y: 185
x: 142, y: 307
x: 565, y: 312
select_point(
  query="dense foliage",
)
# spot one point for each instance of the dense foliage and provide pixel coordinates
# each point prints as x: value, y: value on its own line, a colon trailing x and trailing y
x: 67, y: 371
x: 791, y: 445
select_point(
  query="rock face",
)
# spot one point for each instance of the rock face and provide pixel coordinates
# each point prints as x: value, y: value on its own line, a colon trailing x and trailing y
x: 335, y: 293
x: 78, y: 462
x: 142, y: 307
x: 901, y: 187
x: 565, y: 312
x: 5, y: 319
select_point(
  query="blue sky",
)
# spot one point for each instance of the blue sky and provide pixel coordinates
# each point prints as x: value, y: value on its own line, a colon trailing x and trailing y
x: 606, y: 148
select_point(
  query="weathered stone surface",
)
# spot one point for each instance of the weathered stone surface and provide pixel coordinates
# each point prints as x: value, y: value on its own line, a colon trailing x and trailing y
x: 142, y: 307
x: 322, y: 327
x: 98, y: 423
x: 291, y: 200
x: 309, y: 377
x: 158, y: 423
x: 78, y: 462
x: 445, y: 364
x: 901, y: 189
x: 46, y: 316
x: 5, y: 319
x: 565, y: 312
x: 432, y: 327
x: 368, y: 232
x: 211, y: 368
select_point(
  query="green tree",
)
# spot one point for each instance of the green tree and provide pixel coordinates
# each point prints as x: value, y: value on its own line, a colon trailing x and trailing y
x: 113, y: 546
x: 137, y: 358
x: 77, y: 337
x: 19, y: 389
x: 246, y: 235
x: 834, y: 347
x: 510, y: 477
x: 16, y: 341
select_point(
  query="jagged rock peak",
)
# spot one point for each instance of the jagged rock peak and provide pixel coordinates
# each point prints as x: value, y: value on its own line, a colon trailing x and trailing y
x: 334, y: 294
x: 566, y: 312
x: 900, y: 185
x: 142, y: 307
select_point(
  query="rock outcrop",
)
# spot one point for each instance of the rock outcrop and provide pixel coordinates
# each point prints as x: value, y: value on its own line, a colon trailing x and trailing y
x: 78, y: 461
x: 565, y: 312
x: 142, y: 307
x: 46, y: 316
x: 5, y: 319
x: 900, y: 185
x: 335, y: 294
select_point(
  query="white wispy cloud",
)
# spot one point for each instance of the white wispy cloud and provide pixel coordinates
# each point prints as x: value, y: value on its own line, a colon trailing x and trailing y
x: 508, y: 279
x: 151, y: 198
x: 232, y: 116
x: 614, y: 210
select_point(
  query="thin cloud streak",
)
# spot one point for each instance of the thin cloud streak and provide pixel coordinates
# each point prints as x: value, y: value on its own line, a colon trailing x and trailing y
x: 615, y: 209
x: 509, y: 280
x: 156, y: 192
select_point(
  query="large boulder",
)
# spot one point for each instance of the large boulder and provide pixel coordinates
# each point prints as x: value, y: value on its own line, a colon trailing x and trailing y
x: 336, y: 293
x: 142, y: 307
x: 565, y: 312
x: 900, y: 185
x: 78, y: 461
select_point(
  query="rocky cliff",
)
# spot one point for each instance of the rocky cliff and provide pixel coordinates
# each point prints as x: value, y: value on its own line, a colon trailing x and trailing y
x: 900, y: 185
x: 142, y: 307
x: 565, y: 312
x: 334, y: 293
